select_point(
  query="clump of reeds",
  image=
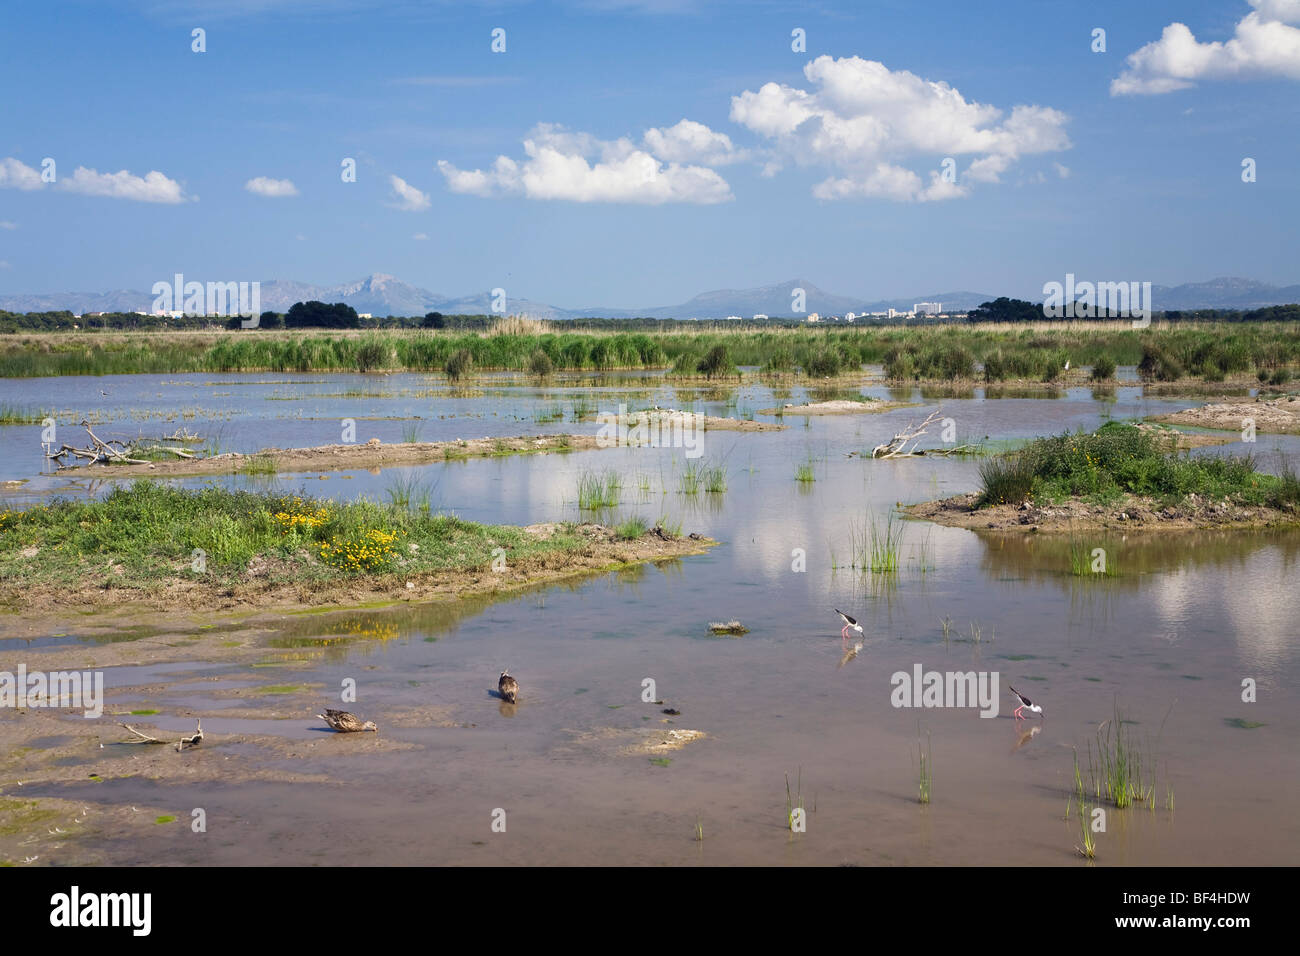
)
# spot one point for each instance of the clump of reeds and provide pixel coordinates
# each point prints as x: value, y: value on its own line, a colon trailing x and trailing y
x: 925, y: 771
x: 459, y: 365
x: 258, y: 465
x: 1084, y: 562
x: 877, y: 546
x: 598, y: 490
x: 715, y: 479
x: 794, y: 801
x: 1087, y: 845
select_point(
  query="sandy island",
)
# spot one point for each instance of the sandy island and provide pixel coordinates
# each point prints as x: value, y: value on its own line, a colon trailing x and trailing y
x: 1277, y: 416
x: 377, y: 454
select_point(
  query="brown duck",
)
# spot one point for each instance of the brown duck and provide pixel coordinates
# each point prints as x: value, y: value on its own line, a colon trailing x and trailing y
x: 346, y: 723
x: 507, y: 686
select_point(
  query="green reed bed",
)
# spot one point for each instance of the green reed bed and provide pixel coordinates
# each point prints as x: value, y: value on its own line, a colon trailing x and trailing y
x: 992, y: 352
x: 11, y: 414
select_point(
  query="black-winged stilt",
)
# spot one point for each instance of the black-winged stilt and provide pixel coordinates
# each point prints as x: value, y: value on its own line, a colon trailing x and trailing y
x: 849, y: 623
x: 507, y: 686
x: 1024, y: 702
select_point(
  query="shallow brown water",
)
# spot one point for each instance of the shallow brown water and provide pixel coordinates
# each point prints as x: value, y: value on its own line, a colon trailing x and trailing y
x: 1169, y: 641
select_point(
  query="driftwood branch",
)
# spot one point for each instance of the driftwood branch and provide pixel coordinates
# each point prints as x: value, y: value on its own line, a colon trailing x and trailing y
x: 116, y: 452
x: 896, y: 447
x: 191, y: 741
x: 143, y: 738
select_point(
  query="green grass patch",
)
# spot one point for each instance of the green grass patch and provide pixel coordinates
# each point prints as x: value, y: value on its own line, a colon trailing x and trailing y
x: 631, y: 529
x: 258, y: 465
x: 1121, y: 459
x: 147, y: 533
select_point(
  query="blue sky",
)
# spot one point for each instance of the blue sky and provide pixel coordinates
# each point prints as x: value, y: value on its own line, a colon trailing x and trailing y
x: 1113, y: 169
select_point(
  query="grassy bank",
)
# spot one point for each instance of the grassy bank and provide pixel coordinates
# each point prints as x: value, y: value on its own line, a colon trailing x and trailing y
x: 1121, y: 459
x: 1037, y: 352
x: 148, y: 536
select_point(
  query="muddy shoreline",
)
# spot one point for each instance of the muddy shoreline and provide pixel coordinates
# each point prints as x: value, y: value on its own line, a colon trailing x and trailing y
x: 371, y: 454
x: 1130, y: 515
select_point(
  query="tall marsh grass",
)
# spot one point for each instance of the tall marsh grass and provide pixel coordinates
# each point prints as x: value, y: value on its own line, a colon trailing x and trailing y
x: 598, y: 490
x: 876, y: 545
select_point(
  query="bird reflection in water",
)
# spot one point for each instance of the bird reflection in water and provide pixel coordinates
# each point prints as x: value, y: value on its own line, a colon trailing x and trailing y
x: 1024, y: 736
x: 851, y: 653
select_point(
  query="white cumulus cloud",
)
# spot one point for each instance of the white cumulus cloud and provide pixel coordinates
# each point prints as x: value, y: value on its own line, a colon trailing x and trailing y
x: 864, y: 121
x: 152, y: 187
x: 408, y: 198
x: 692, y: 142
x: 6, y: 224
x: 577, y: 167
x: 1264, y: 43
x: 273, y: 188
x: 15, y: 174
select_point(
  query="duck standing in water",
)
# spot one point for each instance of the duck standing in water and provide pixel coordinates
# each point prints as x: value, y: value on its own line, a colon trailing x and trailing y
x: 507, y: 686
x: 346, y: 723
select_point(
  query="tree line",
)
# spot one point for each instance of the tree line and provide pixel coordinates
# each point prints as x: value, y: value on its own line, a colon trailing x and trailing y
x: 339, y: 315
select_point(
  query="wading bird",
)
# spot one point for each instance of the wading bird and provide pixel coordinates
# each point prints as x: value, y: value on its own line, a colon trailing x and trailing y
x: 848, y: 623
x: 1024, y: 702
x: 507, y: 686
x: 346, y: 723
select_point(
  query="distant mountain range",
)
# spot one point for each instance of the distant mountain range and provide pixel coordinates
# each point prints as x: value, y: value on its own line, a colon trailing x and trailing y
x: 381, y: 294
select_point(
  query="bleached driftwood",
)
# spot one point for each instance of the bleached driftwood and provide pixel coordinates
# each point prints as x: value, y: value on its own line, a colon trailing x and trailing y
x: 117, y: 452
x: 191, y: 741
x: 896, y: 447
